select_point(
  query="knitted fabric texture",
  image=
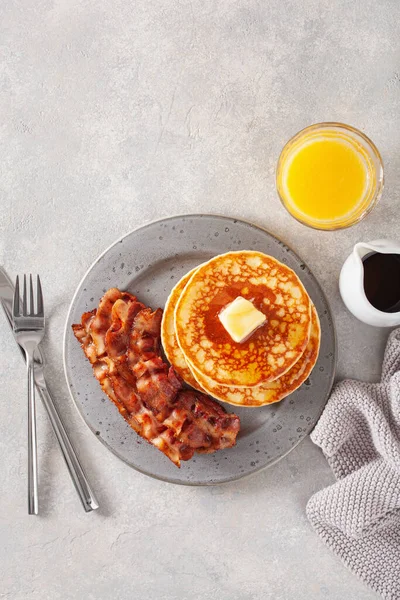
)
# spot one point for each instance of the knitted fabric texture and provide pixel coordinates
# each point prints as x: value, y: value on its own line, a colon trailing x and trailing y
x: 358, y: 517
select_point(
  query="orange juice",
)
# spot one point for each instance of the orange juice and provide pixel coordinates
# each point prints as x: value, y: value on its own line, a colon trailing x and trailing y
x: 328, y: 176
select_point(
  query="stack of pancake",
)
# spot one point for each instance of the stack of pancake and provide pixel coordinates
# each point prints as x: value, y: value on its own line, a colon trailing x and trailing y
x: 272, y: 361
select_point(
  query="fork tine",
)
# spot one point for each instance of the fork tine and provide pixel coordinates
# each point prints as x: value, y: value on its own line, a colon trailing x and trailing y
x: 31, y: 303
x: 24, y: 300
x: 16, y: 300
x: 40, y: 310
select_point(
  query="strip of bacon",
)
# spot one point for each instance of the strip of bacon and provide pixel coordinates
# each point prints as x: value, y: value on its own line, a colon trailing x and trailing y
x: 121, y: 339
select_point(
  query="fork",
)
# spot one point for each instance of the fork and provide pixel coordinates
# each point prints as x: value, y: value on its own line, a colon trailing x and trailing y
x: 29, y: 332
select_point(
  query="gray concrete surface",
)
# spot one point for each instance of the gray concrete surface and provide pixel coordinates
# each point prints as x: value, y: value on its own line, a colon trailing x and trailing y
x: 114, y: 113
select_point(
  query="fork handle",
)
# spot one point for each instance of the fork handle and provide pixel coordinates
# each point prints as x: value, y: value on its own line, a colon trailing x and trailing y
x: 76, y: 471
x: 33, y: 503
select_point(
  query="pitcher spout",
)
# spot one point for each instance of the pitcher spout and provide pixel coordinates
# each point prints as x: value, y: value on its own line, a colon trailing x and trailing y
x: 361, y: 249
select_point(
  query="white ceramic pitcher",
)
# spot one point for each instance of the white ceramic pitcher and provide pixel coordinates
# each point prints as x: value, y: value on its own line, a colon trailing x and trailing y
x: 351, y: 284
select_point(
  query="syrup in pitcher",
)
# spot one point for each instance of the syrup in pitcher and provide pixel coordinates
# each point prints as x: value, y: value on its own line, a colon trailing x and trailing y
x: 382, y: 281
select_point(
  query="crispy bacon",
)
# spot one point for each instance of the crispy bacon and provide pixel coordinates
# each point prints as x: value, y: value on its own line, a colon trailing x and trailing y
x: 121, y: 339
x: 102, y: 320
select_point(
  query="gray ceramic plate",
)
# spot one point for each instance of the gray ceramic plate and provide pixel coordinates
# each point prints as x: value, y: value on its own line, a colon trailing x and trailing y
x: 148, y: 262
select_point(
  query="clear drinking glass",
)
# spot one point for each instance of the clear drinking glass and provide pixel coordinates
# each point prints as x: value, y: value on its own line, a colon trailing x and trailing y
x: 368, y: 155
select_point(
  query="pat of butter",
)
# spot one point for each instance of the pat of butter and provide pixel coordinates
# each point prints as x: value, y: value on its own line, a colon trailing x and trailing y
x: 240, y: 318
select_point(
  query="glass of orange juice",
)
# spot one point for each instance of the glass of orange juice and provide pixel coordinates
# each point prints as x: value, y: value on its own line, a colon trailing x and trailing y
x: 329, y: 176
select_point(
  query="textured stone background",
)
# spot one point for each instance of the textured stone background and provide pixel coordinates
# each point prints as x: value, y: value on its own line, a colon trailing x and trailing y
x: 114, y: 113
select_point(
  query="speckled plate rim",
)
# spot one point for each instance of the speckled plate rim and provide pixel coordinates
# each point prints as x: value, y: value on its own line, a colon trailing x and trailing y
x: 107, y: 445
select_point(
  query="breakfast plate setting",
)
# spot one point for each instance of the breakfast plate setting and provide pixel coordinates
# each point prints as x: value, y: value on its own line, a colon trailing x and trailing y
x: 209, y: 349
x: 200, y: 298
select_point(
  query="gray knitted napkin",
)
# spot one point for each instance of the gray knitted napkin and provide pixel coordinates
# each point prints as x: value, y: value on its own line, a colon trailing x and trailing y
x: 358, y: 516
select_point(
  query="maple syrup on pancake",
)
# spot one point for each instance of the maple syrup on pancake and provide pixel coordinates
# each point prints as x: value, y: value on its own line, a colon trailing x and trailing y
x: 214, y: 329
x: 382, y: 281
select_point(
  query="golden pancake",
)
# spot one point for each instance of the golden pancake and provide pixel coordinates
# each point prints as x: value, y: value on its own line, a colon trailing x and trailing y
x: 168, y: 338
x: 276, y: 390
x: 273, y: 348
